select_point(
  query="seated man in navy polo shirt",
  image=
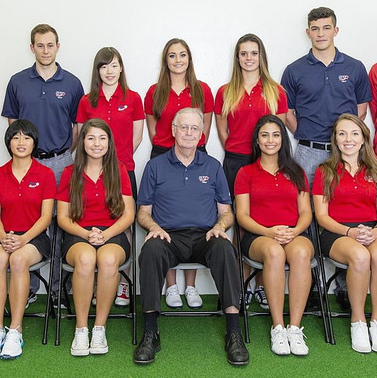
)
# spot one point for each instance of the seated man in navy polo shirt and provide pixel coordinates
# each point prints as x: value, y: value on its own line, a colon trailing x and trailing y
x: 185, y: 207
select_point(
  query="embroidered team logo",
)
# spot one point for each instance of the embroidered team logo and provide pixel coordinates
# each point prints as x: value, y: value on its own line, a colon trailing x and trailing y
x: 368, y: 178
x: 343, y: 78
x: 203, y: 179
x: 33, y: 184
x: 59, y: 94
x: 122, y: 107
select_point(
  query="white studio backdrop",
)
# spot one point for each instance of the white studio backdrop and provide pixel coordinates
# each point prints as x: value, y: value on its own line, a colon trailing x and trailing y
x: 140, y: 29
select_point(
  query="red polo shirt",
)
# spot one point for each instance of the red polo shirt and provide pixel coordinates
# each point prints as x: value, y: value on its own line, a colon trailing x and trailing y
x: 96, y: 212
x: 354, y: 198
x: 273, y: 198
x: 164, y: 137
x: 21, y: 202
x: 242, y: 121
x: 120, y: 114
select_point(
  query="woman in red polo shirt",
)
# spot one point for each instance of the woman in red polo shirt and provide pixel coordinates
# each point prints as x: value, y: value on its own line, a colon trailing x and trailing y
x: 111, y: 100
x: 26, y: 202
x: 95, y: 207
x: 344, y: 194
x: 273, y: 207
x: 177, y: 88
x: 250, y: 94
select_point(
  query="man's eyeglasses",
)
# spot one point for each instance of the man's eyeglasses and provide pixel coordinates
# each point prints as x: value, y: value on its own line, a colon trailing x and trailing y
x: 185, y: 128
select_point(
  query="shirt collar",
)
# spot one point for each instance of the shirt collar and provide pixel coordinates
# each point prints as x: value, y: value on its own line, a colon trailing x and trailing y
x: 118, y: 92
x: 198, y: 159
x: 339, y: 57
x: 57, y: 76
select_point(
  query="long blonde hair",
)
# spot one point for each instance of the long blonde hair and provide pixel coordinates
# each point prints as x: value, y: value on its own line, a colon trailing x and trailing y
x: 366, y: 158
x: 235, y: 88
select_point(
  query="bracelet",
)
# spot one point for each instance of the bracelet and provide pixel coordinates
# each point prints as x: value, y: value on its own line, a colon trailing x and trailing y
x: 222, y: 225
x: 348, y: 231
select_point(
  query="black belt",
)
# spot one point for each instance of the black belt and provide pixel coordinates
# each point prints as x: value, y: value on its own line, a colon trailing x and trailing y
x: 317, y: 146
x: 49, y: 155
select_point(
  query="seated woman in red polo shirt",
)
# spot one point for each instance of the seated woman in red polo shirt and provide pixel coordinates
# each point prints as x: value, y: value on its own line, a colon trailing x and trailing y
x: 344, y: 195
x: 27, y: 194
x: 95, y: 207
x: 273, y: 206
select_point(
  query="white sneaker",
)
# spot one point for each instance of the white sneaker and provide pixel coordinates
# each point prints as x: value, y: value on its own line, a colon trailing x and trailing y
x: 80, y: 344
x: 296, y: 341
x: 2, y: 337
x: 192, y: 297
x: 98, y: 345
x: 373, y: 334
x: 13, y: 344
x: 360, y: 337
x: 172, y: 297
x: 123, y: 295
x: 279, y: 341
x: 260, y: 297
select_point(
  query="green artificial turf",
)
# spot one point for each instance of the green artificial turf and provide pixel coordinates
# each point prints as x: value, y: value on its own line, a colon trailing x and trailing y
x: 191, y: 347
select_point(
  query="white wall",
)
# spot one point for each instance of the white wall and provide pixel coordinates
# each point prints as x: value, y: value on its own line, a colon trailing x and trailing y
x: 139, y: 30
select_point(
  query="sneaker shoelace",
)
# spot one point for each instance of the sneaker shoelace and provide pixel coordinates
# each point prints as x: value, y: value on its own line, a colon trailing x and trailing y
x: 81, y: 338
x: 173, y: 291
x: 297, y: 336
x: 122, y: 290
x: 191, y: 292
x: 98, y: 335
x: 279, y: 336
x: 13, y: 336
x: 262, y: 294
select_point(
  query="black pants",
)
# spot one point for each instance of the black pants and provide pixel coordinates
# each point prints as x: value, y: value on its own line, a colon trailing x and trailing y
x: 189, y: 245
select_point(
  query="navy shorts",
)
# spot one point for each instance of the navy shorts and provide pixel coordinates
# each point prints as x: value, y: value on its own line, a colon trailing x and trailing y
x: 42, y: 242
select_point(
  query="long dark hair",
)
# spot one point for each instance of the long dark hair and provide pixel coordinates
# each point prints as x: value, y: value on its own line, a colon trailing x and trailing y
x: 285, y: 161
x: 25, y: 127
x: 111, y: 175
x: 105, y: 56
x: 161, y: 94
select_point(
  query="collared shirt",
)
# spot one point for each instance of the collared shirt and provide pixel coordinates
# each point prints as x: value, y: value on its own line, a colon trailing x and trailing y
x: 51, y: 105
x: 242, y: 121
x: 183, y: 196
x: 354, y: 197
x: 21, y: 202
x: 176, y: 102
x: 319, y: 93
x: 96, y: 213
x: 273, y: 198
x: 373, y: 103
x: 120, y: 114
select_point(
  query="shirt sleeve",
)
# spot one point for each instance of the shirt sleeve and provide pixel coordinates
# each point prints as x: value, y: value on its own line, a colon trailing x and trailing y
x: 11, y: 106
x: 77, y: 95
x: 64, y: 185
x: 373, y: 103
x: 208, y: 98
x: 222, y: 187
x: 82, y: 113
x: 241, y: 182
x: 49, y: 189
x: 288, y: 83
x: 138, y: 112
x: 317, y: 188
x: 148, y: 100
x: 282, y: 101
x: 147, y: 187
x: 362, y: 88
x: 219, y: 100
x: 125, y: 181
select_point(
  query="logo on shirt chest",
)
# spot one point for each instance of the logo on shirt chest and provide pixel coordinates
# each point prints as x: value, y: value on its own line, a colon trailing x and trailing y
x: 122, y: 107
x: 59, y: 94
x: 203, y: 179
x: 343, y: 78
x: 33, y: 184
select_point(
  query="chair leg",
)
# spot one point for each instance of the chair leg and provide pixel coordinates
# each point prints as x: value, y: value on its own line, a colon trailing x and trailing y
x: 59, y: 315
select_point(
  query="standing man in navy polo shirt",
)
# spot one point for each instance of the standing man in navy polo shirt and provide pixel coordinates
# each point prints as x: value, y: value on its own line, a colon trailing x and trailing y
x: 48, y: 96
x: 185, y: 207
x: 320, y: 86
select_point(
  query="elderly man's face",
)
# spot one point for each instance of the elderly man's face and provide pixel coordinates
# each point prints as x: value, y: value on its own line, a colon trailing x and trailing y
x: 188, y: 130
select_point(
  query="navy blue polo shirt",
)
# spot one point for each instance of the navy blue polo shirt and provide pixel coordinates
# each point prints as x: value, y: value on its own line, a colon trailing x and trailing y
x: 51, y: 105
x: 319, y: 94
x: 184, y: 196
